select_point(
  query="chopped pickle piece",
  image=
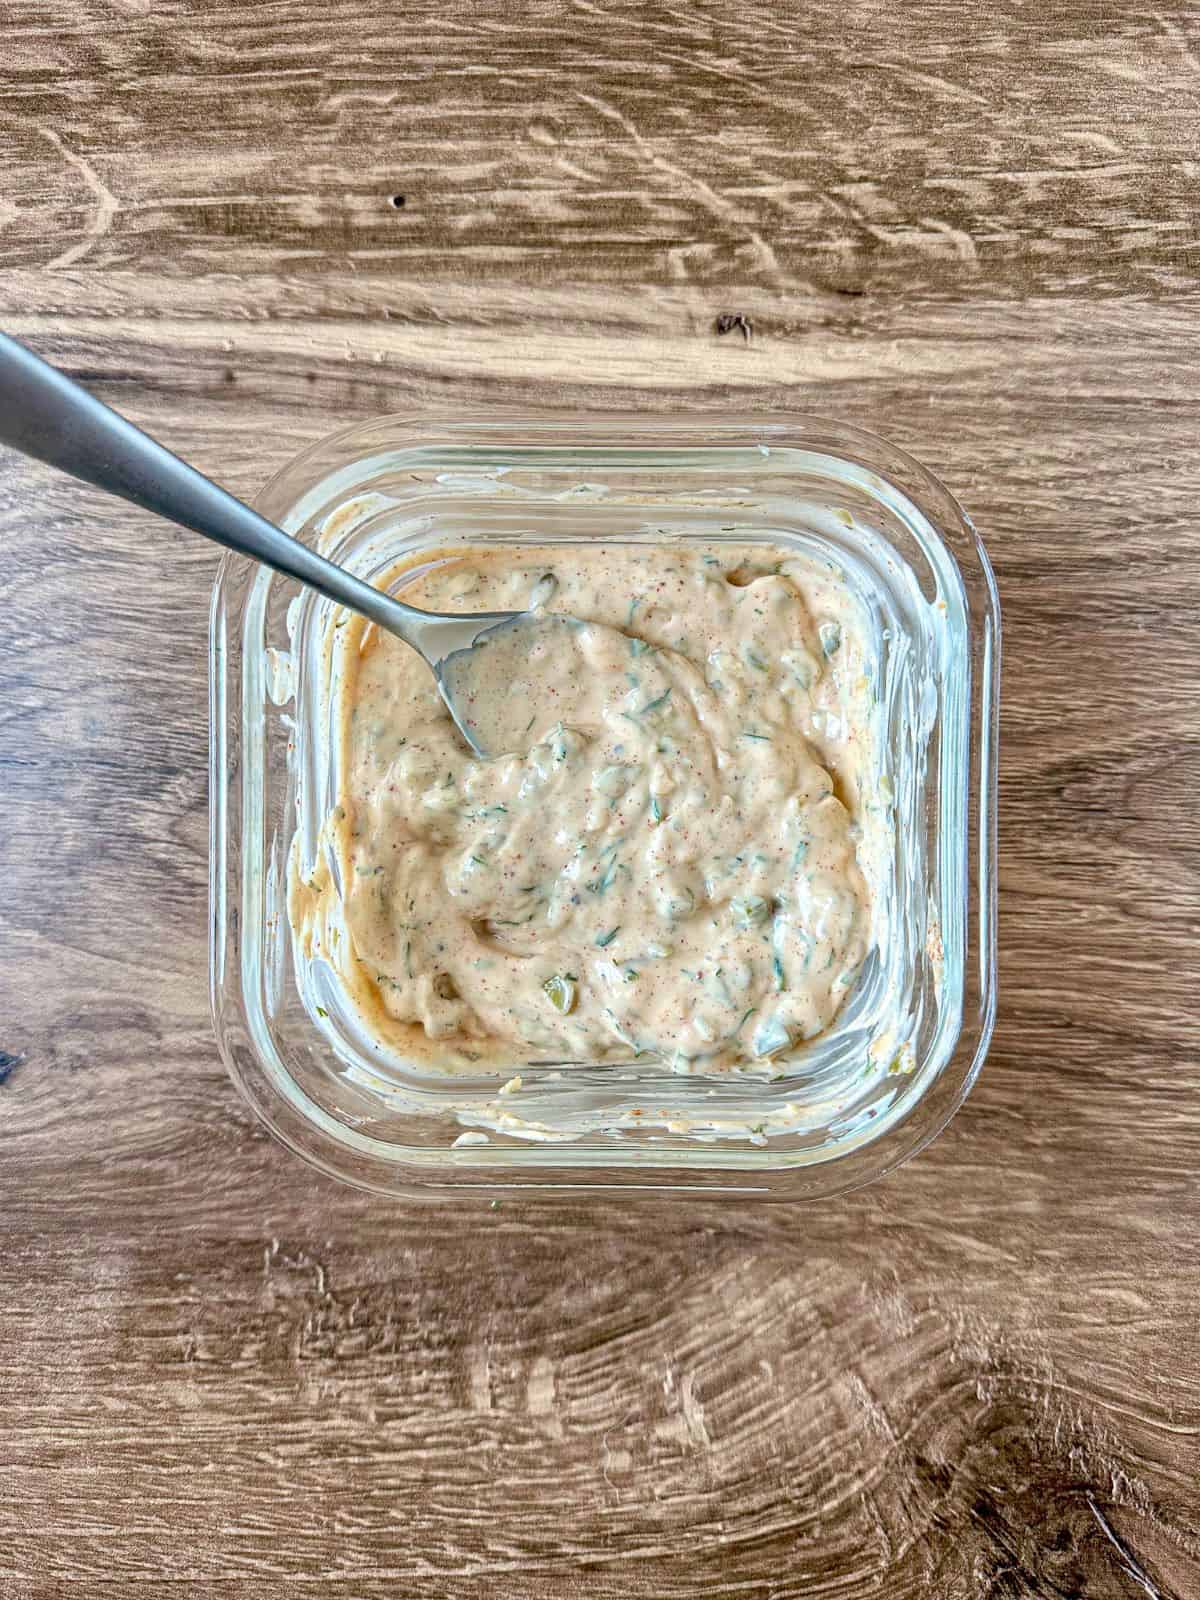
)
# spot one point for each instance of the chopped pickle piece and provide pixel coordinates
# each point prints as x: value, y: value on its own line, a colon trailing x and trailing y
x: 561, y: 991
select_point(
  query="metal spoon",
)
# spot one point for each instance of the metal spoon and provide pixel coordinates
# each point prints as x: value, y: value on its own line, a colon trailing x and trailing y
x: 45, y: 414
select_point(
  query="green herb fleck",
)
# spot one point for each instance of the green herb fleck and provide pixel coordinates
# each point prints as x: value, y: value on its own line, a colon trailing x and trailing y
x: 748, y: 910
x: 620, y: 1032
x: 653, y: 705
x: 606, y: 939
x: 543, y: 589
x: 321, y: 1011
x: 656, y: 814
x: 605, y: 882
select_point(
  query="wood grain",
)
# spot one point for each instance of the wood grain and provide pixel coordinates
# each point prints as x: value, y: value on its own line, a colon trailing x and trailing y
x: 851, y: 147
x: 221, y: 1374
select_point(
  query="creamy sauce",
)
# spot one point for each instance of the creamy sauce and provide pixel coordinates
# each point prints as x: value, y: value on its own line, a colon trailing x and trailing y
x: 667, y: 866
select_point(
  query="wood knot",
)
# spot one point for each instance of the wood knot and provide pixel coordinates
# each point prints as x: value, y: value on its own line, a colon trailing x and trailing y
x: 729, y: 321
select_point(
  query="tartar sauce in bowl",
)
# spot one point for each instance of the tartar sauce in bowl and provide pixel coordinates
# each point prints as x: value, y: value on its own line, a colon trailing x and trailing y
x: 673, y: 863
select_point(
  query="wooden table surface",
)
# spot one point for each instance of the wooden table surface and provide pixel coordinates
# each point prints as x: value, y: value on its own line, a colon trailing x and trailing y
x: 976, y: 230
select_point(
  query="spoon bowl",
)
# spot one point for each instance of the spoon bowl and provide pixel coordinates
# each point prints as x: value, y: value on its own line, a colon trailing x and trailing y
x: 495, y: 687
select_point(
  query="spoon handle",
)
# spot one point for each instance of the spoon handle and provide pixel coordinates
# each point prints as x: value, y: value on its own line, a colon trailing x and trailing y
x: 43, y: 413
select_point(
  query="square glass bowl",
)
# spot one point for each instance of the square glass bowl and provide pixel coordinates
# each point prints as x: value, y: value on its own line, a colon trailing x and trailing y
x: 913, y: 1033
